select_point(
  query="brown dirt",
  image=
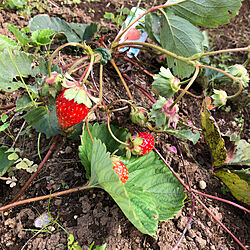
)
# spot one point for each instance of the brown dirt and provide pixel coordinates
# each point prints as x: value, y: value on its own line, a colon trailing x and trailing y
x: 92, y: 215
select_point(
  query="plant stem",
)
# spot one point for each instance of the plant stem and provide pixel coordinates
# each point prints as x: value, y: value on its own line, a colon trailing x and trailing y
x: 26, y: 87
x: 196, y: 198
x: 58, y: 49
x: 101, y: 82
x: 92, y: 59
x: 37, y: 171
x: 235, y: 79
x: 187, y: 87
x: 225, y: 51
x: 138, y: 18
x: 44, y: 197
x: 122, y: 79
x: 111, y: 133
x: 164, y: 51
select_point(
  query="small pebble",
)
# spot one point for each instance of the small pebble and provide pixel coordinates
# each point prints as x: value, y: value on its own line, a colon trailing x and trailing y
x: 68, y: 150
x: 202, y: 184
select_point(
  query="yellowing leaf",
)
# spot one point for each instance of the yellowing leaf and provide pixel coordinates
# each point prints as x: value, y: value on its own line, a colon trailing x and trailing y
x: 213, y: 136
x: 239, y: 188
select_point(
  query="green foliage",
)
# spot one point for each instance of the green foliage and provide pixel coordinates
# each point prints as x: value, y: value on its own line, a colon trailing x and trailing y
x: 209, y: 13
x: 99, y: 131
x: 6, y: 42
x: 120, y: 18
x: 74, y: 32
x: 175, y: 31
x: 165, y: 84
x: 5, y: 124
x: 42, y: 37
x: 44, y: 120
x: 25, y: 65
x: 151, y: 194
x: 5, y: 161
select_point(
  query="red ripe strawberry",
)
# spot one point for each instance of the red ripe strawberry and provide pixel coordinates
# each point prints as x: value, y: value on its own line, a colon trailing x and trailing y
x: 69, y: 112
x: 143, y: 143
x: 120, y: 169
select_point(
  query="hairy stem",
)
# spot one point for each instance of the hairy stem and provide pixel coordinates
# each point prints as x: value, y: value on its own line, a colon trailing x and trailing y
x: 225, y: 51
x: 187, y: 87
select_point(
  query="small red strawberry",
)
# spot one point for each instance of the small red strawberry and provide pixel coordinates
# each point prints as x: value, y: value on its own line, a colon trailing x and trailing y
x: 140, y: 144
x: 69, y: 112
x: 120, y: 169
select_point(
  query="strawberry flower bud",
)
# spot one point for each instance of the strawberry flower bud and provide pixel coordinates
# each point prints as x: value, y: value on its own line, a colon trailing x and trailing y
x: 138, y: 116
x: 165, y: 84
x: 240, y: 71
x: 219, y: 97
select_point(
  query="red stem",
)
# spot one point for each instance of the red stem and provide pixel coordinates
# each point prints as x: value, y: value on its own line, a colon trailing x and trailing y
x: 85, y: 72
x: 37, y: 171
x: 5, y: 113
x: 141, y: 88
x: 187, y: 188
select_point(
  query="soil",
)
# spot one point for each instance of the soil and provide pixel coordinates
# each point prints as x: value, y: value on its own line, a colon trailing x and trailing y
x: 92, y: 215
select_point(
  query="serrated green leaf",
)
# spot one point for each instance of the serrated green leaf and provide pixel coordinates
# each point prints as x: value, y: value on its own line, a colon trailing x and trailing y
x: 182, y: 38
x: 20, y: 36
x: 42, y: 37
x: 44, y: 120
x: 6, y: 42
x: 99, y: 132
x: 24, y: 63
x: 184, y: 133
x: 239, y: 188
x: 213, y: 136
x: 73, y: 32
x: 4, y: 118
x: 209, y: 13
x: 4, y: 126
x: 153, y: 26
x: 24, y: 103
x: 5, y: 162
x: 151, y: 194
x: 79, y: 96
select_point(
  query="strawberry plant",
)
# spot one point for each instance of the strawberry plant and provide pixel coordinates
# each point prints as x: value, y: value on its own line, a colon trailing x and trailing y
x: 129, y: 168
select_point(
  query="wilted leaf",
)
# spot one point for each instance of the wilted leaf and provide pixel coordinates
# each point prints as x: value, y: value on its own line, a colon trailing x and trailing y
x: 239, y: 188
x: 213, y: 136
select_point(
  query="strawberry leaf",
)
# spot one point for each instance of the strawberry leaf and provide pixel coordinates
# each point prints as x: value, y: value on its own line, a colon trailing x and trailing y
x: 99, y: 132
x: 44, y: 120
x: 151, y: 194
x: 5, y: 162
x: 209, y: 13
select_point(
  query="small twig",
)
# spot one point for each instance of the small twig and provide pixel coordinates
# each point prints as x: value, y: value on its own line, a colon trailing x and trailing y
x: 122, y: 79
x: 44, y: 197
x: 21, y: 129
x: 19, y: 194
x: 7, y: 106
x: 192, y: 198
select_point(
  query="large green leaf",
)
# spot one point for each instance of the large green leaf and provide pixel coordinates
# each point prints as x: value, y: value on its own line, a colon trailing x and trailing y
x: 99, y: 132
x: 151, y: 194
x: 239, y: 187
x: 73, y: 32
x: 44, y: 120
x: 6, y: 42
x: 182, y: 38
x: 212, y: 135
x: 25, y: 65
x: 5, y: 162
x: 42, y: 37
x: 209, y: 13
